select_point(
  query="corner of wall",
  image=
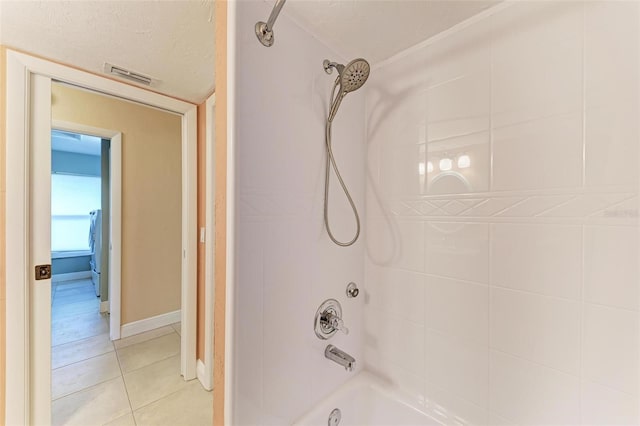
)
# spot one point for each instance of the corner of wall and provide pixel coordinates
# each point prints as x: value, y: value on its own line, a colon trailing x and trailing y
x: 3, y: 56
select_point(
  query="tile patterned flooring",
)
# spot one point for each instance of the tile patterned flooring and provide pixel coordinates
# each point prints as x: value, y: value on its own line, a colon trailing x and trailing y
x: 132, y: 381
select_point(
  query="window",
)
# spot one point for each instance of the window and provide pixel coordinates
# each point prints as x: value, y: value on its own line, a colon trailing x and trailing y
x: 72, y: 199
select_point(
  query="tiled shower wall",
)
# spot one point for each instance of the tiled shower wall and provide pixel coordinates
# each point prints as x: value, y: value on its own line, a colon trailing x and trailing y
x: 506, y: 292
x: 285, y: 264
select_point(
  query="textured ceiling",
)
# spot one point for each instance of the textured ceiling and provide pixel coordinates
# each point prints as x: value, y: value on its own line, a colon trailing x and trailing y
x: 377, y: 30
x: 171, y: 41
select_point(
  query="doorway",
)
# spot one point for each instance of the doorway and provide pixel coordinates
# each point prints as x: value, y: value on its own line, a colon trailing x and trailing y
x: 28, y: 196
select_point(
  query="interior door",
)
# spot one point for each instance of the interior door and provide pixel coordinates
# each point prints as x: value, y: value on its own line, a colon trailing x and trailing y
x: 40, y: 249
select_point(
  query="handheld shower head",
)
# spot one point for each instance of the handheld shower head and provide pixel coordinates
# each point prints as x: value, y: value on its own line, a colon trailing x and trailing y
x: 354, y: 75
x: 351, y: 77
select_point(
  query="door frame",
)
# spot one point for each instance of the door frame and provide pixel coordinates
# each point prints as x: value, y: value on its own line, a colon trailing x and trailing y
x: 115, y: 216
x: 210, y: 229
x: 23, y: 405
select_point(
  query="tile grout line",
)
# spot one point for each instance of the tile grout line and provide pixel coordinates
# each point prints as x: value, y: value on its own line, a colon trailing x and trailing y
x: 148, y: 340
x: 82, y: 360
x: 115, y: 350
x: 84, y: 389
x: 124, y: 383
x: 489, y: 292
x: 583, y: 233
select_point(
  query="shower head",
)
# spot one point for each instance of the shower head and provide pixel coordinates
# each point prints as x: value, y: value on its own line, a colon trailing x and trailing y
x: 354, y: 75
x: 351, y: 77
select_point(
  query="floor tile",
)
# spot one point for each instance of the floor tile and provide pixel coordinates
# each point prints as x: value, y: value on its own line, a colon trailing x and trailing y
x: 146, y: 353
x: 150, y: 383
x: 75, y: 295
x: 94, y: 406
x: 80, y: 350
x: 83, y: 374
x: 61, y: 311
x: 177, y: 327
x: 74, y: 284
x: 190, y: 406
x: 78, y: 327
x: 126, y: 420
x: 143, y: 337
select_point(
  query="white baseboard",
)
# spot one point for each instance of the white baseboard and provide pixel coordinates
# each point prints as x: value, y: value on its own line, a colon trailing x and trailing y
x: 104, y: 307
x: 148, y: 324
x: 71, y: 276
x: 205, y: 381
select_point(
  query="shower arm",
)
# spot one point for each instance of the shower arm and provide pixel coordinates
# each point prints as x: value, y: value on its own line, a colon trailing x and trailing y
x: 264, y: 30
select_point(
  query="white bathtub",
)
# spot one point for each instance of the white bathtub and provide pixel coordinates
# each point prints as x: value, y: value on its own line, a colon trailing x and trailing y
x: 366, y: 401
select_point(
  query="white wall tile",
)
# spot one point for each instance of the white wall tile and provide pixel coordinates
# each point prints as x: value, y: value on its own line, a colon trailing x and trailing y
x: 612, y: 74
x: 474, y: 178
x: 541, y: 154
x: 249, y: 312
x: 286, y: 394
x: 409, y: 248
x: 586, y: 205
x: 531, y: 394
x: 611, y: 139
x: 404, y: 382
x: 381, y: 239
x: 284, y: 259
x: 544, y: 259
x: 498, y: 420
x: 611, y: 272
x: 610, y: 347
x: 398, y: 341
x: 533, y: 205
x: 458, y: 250
x: 605, y: 406
x: 520, y: 72
x: 539, y: 328
x: 458, y: 366
x: 399, y: 172
x: 463, y: 53
x: 457, y: 308
x: 396, y: 291
x: 612, y: 52
x: 450, y: 409
x: 537, y: 61
x: 460, y: 106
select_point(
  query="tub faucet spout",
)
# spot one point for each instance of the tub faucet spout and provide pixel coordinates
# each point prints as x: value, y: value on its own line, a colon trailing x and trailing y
x: 340, y: 357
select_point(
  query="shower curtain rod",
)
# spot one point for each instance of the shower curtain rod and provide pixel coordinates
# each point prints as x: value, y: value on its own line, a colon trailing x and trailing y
x: 264, y: 30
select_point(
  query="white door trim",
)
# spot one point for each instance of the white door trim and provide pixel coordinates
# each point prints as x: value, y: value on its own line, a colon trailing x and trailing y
x: 115, y: 225
x: 22, y: 363
x: 39, y: 246
x: 206, y: 371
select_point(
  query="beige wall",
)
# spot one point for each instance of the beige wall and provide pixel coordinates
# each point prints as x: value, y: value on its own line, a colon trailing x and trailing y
x: 151, y: 195
x: 2, y: 235
x: 220, y: 261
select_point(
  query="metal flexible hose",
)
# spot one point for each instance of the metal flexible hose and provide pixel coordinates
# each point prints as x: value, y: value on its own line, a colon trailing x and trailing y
x: 330, y: 161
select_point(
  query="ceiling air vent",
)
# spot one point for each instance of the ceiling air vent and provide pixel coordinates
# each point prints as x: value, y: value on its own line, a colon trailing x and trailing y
x: 125, y: 73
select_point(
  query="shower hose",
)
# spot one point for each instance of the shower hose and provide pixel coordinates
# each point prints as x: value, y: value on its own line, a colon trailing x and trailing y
x: 330, y: 161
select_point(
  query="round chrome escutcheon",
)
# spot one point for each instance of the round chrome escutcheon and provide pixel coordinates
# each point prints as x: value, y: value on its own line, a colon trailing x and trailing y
x: 334, y: 417
x: 323, y: 330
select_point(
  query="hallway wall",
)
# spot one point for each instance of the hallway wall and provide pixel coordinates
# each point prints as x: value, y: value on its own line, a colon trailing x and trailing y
x: 151, y: 195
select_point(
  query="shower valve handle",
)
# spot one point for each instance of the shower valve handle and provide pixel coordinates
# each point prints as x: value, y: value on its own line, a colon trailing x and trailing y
x: 335, y: 322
